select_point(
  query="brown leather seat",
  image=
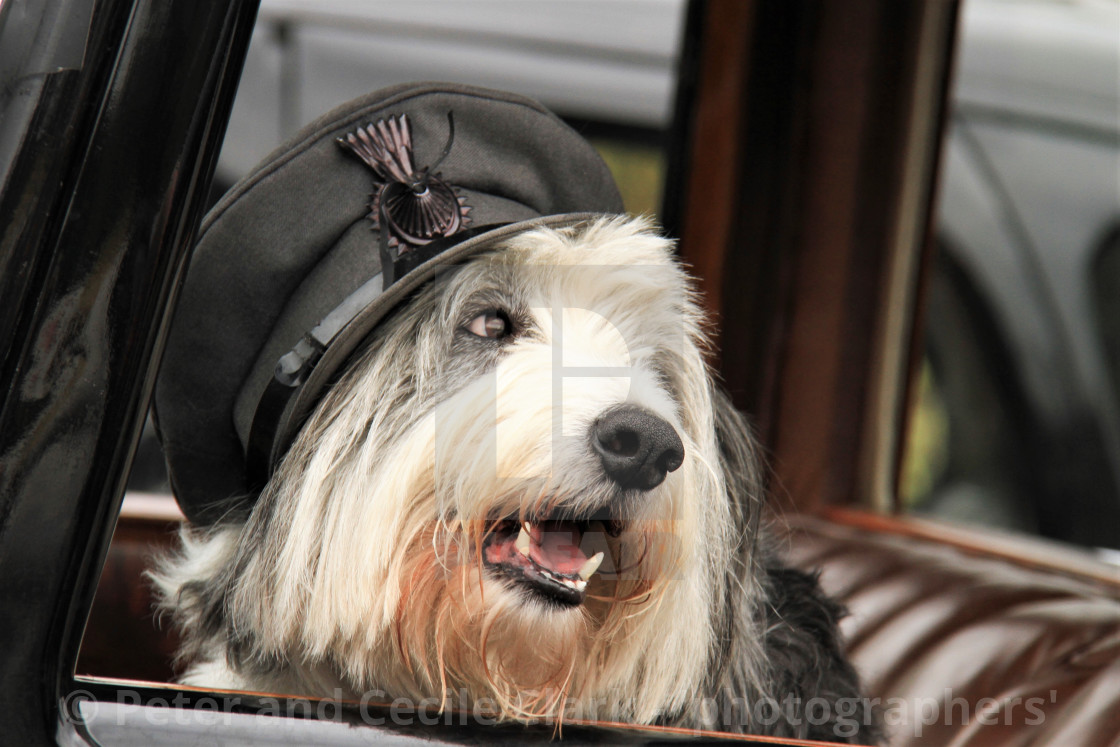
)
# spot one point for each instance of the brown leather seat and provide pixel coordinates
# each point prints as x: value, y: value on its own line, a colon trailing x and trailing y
x: 1018, y: 642
x: 971, y: 645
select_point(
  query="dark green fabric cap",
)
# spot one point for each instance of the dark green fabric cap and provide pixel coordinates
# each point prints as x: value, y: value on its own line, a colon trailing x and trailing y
x: 293, y: 240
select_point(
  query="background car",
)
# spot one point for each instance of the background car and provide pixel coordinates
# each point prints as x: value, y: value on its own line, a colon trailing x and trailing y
x: 1019, y: 421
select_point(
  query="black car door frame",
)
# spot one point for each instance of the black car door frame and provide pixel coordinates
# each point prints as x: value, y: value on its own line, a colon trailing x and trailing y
x: 126, y: 118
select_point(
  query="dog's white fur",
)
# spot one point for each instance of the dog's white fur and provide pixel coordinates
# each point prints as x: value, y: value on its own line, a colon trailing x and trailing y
x: 360, y: 565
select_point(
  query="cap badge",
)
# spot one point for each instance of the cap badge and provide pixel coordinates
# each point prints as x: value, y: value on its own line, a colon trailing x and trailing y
x: 410, y: 207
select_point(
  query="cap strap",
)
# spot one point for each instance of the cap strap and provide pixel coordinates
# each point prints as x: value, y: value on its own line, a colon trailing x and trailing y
x: 264, y: 450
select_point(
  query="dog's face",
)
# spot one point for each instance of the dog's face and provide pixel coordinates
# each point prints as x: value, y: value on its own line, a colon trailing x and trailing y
x: 514, y: 490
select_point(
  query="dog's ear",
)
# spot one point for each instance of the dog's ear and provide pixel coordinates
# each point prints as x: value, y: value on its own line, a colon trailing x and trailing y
x: 739, y: 458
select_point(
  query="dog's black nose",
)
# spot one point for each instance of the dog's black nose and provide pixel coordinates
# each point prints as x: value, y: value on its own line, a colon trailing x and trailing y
x: 637, y: 448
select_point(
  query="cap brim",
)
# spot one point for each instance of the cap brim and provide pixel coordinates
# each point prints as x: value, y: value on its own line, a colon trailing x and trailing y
x: 350, y: 337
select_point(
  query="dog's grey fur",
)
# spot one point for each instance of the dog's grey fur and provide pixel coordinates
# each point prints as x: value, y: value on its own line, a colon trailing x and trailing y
x: 359, y: 566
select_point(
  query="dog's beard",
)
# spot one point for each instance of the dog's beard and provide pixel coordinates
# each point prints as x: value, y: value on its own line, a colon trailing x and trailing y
x: 471, y: 628
x: 465, y: 610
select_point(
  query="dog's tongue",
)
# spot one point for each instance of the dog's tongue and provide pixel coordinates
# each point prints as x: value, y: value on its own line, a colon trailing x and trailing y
x: 555, y: 546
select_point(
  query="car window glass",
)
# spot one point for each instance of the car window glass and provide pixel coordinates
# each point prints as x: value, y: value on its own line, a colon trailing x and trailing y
x: 40, y: 48
x: 1015, y: 419
x: 41, y: 54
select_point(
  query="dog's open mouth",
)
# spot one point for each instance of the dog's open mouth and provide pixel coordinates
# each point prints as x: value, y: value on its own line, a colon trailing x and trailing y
x: 545, y: 556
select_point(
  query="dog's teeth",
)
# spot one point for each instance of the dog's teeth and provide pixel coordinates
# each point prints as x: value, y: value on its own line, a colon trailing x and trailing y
x: 591, y: 566
x: 522, y: 541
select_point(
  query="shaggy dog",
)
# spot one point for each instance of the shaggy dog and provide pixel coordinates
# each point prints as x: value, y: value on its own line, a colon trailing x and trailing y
x: 524, y: 487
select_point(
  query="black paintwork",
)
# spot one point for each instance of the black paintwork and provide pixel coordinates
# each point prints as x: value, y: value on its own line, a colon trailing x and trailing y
x: 99, y: 208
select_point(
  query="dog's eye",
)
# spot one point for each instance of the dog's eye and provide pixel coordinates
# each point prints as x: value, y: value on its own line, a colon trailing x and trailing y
x: 492, y: 324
